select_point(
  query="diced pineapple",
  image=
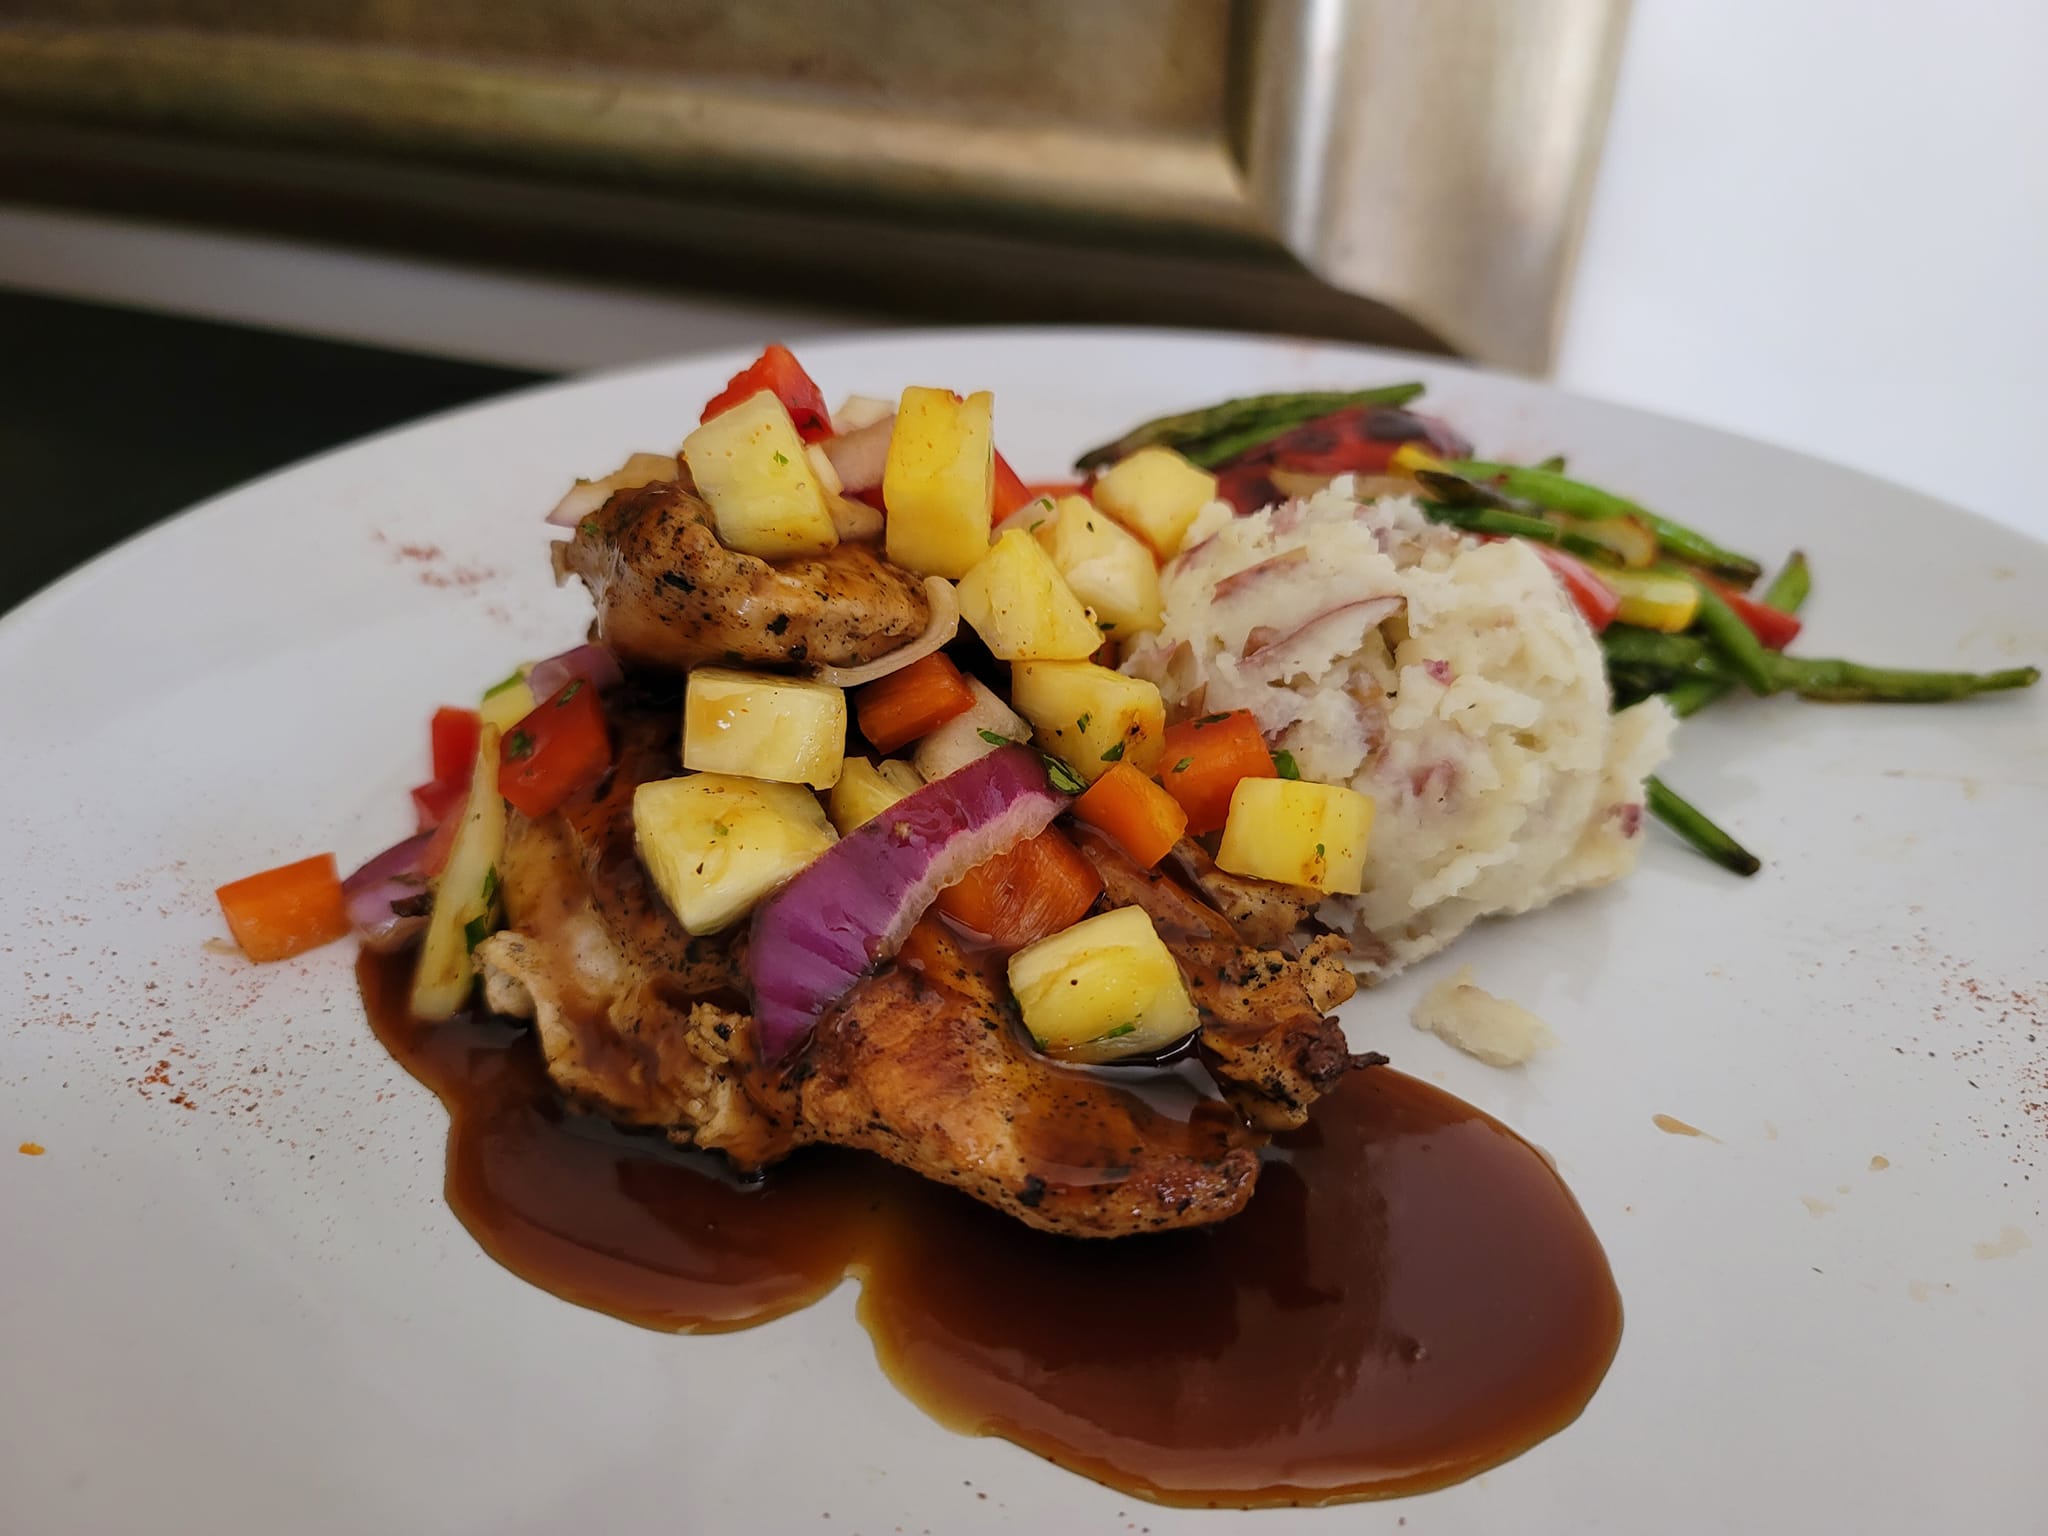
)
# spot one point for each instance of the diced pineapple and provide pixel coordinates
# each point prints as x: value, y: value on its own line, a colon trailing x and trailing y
x: 1104, y: 988
x: 988, y: 723
x: 1298, y: 832
x: 939, y: 482
x: 763, y: 727
x: 1090, y: 716
x: 465, y: 894
x: 750, y: 465
x: 505, y: 704
x: 1021, y: 606
x: 1156, y: 493
x: 864, y: 790
x: 1109, y: 569
x: 715, y: 844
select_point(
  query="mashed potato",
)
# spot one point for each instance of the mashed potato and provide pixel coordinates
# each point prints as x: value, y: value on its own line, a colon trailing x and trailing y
x: 1450, y: 680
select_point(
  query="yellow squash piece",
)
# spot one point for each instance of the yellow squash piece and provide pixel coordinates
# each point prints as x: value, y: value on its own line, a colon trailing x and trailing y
x: 865, y: 790
x: 715, y: 844
x: 1107, y: 567
x: 1090, y: 716
x: 465, y: 895
x: 1298, y: 832
x: 1022, y: 607
x: 508, y: 703
x: 1104, y: 988
x: 939, y: 481
x: 764, y: 727
x: 1653, y: 599
x: 750, y: 465
x: 1155, y: 493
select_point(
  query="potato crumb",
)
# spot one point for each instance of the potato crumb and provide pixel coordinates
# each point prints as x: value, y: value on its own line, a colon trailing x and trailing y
x: 1499, y: 1032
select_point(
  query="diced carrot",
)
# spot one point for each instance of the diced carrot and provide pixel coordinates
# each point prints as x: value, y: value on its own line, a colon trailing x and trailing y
x: 285, y: 911
x: 1011, y: 491
x: 1201, y: 761
x: 909, y: 703
x: 1140, y: 815
x: 1038, y: 887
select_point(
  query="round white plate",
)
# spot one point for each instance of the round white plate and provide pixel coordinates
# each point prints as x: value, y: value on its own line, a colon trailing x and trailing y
x: 232, y: 1298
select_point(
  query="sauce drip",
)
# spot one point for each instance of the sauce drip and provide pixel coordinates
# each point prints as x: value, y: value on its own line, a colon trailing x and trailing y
x: 1411, y: 1297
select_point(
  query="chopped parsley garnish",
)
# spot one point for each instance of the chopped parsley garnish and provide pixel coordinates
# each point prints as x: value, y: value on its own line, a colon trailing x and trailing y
x: 1212, y: 719
x: 1119, y: 1032
x: 1064, y: 779
x: 518, y: 745
x: 1319, y: 851
x: 782, y: 458
x: 1284, y: 764
x: 720, y: 829
x: 1081, y: 724
x: 476, y: 930
x: 589, y: 527
x: 575, y: 687
x: 518, y: 676
x: 993, y: 738
x: 1115, y: 754
x: 1184, y: 765
x: 490, y: 885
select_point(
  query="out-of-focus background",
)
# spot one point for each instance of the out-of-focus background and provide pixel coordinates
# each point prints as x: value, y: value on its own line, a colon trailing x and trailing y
x: 233, y: 232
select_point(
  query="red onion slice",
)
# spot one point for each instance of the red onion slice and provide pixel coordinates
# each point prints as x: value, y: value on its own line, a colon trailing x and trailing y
x: 592, y: 664
x: 393, y: 876
x: 852, y: 906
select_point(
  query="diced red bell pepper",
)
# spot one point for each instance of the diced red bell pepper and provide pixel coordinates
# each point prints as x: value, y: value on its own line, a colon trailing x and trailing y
x: 435, y: 801
x: 1593, y: 597
x: 561, y: 745
x: 1772, y: 626
x: 777, y: 370
x: 453, y: 732
x: 1011, y: 491
x: 1056, y: 488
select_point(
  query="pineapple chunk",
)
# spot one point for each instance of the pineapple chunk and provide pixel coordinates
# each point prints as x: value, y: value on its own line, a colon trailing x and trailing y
x: 1110, y: 570
x: 987, y: 724
x: 763, y: 727
x: 751, y: 467
x: 1090, y: 716
x: 1021, y: 606
x: 1104, y: 988
x: 1156, y: 493
x: 506, y: 704
x: 1298, y: 832
x: 715, y: 844
x: 864, y: 790
x: 465, y: 895
x: 939, y: 483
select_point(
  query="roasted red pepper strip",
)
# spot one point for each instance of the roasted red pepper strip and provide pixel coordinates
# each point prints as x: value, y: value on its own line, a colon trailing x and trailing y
x: 1594, y: 598
x: 778, y: 370
x: 558, y: 747
x: 1775, y: 628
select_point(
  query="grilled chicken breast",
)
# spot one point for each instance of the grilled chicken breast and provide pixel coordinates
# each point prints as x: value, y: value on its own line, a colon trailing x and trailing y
x: 670, y: 596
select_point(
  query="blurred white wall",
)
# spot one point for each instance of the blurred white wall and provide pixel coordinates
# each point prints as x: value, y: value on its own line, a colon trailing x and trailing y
x: 1825, y: 222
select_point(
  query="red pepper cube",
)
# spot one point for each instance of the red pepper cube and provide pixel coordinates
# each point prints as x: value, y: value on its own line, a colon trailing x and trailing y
x: 454, y: 733
x: 553, y: 751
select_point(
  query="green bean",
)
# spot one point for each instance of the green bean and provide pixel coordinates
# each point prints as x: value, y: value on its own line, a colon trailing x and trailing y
x: 1746, y: 654
x: 1849, y: 682
x: 1697, y: 828
x: 1549, y: 489
x: 1216, y: 433
x: 1789, y: 588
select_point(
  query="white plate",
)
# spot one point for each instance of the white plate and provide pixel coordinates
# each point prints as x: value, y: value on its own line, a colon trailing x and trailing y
x: 232, y: 1299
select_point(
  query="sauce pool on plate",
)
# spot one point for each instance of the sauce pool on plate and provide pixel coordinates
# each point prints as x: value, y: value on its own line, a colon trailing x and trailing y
x: 1411, y: 1297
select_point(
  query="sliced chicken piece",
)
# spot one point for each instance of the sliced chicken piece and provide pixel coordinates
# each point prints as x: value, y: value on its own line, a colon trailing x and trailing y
x: 925, y: 1064
x: 1265, y: 1032
x: 1265, y: 913
x: 670, y: 596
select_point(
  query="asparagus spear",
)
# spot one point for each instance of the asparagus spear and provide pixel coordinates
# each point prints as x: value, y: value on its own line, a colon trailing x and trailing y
x: 1218, y: 432
x: 1549, y: 489
x: 1692, y: 824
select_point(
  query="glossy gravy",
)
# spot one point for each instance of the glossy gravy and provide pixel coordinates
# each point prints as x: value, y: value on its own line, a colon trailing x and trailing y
x: 1411, y: 1297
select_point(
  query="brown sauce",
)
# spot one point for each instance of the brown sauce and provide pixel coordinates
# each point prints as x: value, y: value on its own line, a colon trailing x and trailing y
x: 1412, y: 1296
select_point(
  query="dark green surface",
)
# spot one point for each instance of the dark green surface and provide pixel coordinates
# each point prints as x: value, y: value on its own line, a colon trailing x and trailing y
x: 113, y: 418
